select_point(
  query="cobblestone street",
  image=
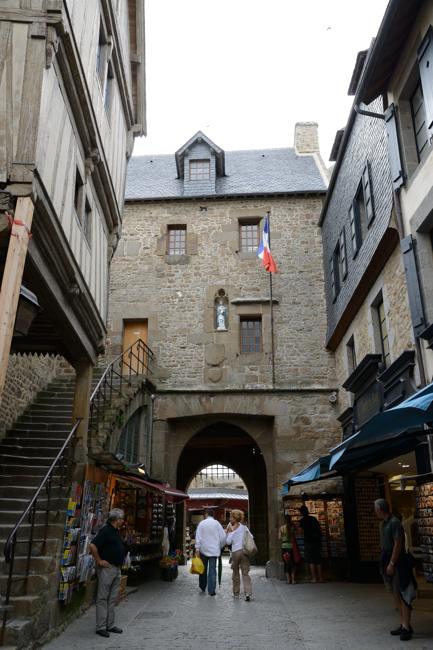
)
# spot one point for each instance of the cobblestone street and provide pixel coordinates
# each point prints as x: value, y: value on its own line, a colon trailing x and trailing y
x: 332, y: 616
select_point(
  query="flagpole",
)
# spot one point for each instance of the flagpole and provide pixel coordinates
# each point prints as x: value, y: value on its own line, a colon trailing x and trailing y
x: 271, y: 305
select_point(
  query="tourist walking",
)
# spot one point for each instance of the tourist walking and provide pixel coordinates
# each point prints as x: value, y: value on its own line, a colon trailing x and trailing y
x: 210, y: 539
x: 312, y: 544
x: 108, y: 551
x: 396, y: 567
x: 235, y: 537
x: 289, y: 549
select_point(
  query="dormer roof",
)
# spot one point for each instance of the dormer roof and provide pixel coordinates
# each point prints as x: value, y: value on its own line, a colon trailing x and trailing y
x: 200, y: 138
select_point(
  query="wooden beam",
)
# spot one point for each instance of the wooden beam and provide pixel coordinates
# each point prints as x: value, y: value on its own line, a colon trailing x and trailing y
x: 12, y: 279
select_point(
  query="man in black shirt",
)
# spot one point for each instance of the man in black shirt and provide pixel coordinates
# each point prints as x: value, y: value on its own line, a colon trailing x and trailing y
x: 108, y: 551
x: 312, y: 543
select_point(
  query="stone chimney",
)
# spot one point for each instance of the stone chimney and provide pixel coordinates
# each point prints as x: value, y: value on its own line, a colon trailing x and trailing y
x: 306, y: 137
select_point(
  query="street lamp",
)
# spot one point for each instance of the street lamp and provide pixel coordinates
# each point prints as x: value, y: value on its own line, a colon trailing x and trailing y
x: 27, y: 310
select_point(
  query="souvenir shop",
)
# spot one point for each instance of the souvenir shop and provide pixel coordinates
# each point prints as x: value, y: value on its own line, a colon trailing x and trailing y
x: 150, y: 522
x: 350, y: 527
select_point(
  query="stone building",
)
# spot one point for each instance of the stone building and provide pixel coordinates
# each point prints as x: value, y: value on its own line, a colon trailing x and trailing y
x: 187, y: 279
x: 376, y: 240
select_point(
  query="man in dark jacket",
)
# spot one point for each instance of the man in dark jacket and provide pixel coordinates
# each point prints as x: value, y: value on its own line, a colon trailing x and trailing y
x: 396, y: 567
x: 108, y: 551
x: 312, y: 544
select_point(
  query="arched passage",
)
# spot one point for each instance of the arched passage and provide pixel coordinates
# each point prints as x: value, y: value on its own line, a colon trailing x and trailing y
x: 226, y: 444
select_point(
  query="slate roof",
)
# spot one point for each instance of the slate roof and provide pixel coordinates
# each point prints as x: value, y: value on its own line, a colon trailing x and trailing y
x: 257, y: 171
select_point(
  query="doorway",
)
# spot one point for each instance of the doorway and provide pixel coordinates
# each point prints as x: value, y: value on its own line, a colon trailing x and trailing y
x: 132, y: 331
x: 225, y: 444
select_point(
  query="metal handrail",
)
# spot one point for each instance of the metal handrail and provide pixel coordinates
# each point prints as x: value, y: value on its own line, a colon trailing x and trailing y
x: 135, y: 361
x: 29, y: 513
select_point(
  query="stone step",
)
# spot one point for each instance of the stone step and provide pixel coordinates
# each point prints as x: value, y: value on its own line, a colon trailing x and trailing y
x: 11, y: 460
x: 10, y: 503
x: 50, y: 451
x: 19, y: 632
x: 12, y: 516
x: 49, y: 411
x: 17, y: 441
x: 41, y: 427
x: 28, y: 480
x: 49, y: 419
x: 32, y: 586
x: 27, y: 491
x: 39, y: 547
x: 25, y: 606
x: 54, y: 532
x: 40, y: 565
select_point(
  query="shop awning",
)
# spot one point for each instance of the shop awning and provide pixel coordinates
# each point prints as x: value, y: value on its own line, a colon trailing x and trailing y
x: 398, y: 421
x: 173, y: 493
x: 317, y: 470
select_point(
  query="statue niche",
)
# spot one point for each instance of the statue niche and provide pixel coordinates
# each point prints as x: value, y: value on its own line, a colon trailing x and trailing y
x: 221, y: 312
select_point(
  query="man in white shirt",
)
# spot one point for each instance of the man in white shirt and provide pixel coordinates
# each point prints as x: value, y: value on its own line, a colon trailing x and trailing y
x: 210, y: 538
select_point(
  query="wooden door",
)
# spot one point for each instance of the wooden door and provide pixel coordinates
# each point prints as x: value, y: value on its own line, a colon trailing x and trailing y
x: 132, y: 331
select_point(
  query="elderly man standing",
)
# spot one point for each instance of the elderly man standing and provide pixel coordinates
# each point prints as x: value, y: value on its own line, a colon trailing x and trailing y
x: 108, y: 551
x: 396, y: 566
x: 210, y: 538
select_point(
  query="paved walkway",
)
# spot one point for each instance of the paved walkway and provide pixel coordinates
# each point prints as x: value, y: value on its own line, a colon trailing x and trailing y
x: 333, y: 616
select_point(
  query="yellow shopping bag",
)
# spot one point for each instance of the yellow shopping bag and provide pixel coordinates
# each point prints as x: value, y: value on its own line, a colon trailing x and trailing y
x: 197, y: 566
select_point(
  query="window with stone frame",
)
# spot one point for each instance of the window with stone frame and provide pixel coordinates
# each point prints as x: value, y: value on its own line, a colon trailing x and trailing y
x: 351, y: 354
x: 176, y: 240
x: 199, y: 170
x: 249, y: 235
x: 250, y: 334
x: 380, y: 328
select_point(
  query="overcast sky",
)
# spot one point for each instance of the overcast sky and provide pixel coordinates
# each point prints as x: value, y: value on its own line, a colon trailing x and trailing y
x: 245, y: 71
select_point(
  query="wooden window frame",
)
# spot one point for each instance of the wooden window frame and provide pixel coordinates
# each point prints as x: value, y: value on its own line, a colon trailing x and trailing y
x: 250, y: 319
x: 172, y: 250
x: 193, y: 176
x: 245, y: 223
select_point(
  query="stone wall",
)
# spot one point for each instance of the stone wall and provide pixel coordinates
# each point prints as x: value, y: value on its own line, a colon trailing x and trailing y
x: 27, y: 375
x: 177, y: 293
x: 392, y: 283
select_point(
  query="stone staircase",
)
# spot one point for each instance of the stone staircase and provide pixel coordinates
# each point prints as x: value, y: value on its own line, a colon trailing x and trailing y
x: 26, y: 453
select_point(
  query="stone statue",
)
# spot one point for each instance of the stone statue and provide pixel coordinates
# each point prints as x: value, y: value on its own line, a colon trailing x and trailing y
x: 221, y: 317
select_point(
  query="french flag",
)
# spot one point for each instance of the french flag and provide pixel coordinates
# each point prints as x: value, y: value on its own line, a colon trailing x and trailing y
x: 264, y: 252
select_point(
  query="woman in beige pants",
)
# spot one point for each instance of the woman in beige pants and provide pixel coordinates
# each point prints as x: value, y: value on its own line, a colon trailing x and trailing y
x: 235, y: 535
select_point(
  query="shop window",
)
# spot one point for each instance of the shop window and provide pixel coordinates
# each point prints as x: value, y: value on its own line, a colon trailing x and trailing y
x: 251, y: 334
x: 176, y: 240
x: 199, y: 170
x: 249, y: 236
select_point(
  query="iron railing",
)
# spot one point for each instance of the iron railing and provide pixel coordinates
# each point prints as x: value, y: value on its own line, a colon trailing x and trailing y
x: 48, y: 482
x: 135, y: 361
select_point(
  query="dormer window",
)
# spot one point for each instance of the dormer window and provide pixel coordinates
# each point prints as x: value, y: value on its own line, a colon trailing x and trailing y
x: 199, y: 170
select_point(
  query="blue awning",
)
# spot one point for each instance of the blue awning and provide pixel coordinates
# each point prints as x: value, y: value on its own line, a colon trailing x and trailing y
x: 412, y: 413
x: 313, y: 472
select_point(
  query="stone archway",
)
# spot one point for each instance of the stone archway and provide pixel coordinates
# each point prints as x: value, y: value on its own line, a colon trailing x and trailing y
x: 227, y: 444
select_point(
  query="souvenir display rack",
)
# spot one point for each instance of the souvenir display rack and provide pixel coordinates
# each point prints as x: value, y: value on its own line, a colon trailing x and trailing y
x: 86, y: 512
x: 424, y: 505
x: 329, y: 513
